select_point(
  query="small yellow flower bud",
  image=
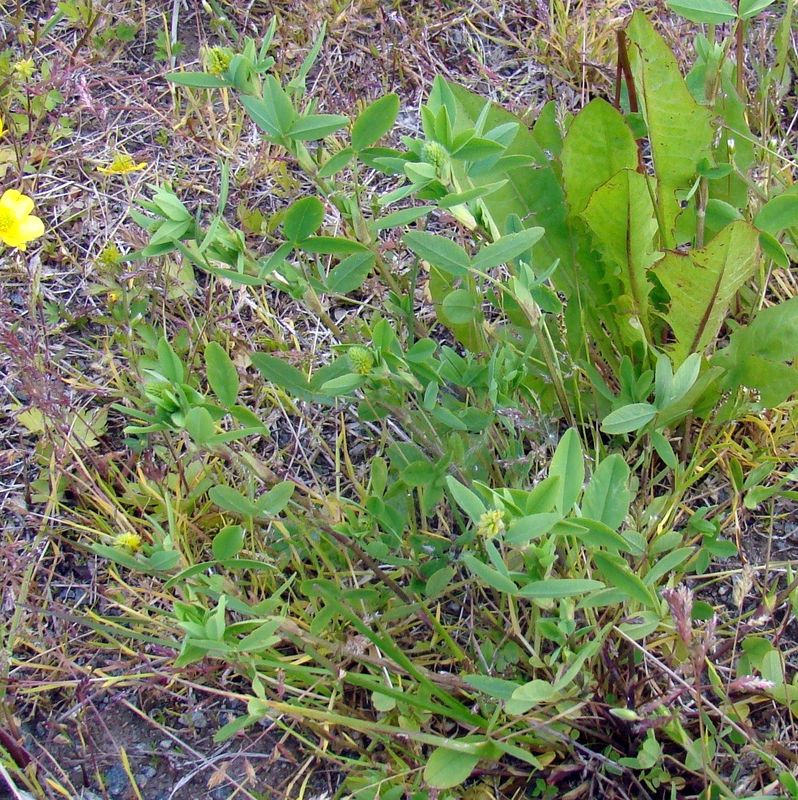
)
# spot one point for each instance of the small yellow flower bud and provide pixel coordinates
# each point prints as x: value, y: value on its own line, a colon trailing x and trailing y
x: 436, y: 154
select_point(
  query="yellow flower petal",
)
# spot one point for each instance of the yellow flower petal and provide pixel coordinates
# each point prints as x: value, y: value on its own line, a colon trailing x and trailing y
x: 30, y: 228
x: 17, y: 226
x: 21, y: 205
x: 10, y: 198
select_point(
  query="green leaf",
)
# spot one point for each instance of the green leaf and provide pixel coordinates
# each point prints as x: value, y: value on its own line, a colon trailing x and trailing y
x: 525, y: 529
x: 316, y: 126
x: 460, y: 307
x: 200, y: 425
x: 262, y: 115
x: 493, y: 687
x: 232, y: 500
x: 664, y: 449
x: 599, y: 144
x: 342, y: 384
x: 419, y: 473
x: 228, y: 542
x: 332, y: 246
x: 719, y: 214
x: 569, y: 466
x: 263, y: 637
x: 619, y: 576
x: 375, y: 121
x: 594, y: 534
x: 488, y: 575
x: 476, y: 148
x: 703, y: 283
x: 276, y: 499
x: 713, y: 12
x: 169, y: 363
x: 557, y: 588
x: 685, y: 378
x: 276, y: 97
x: 287, y: 377
x: 750, y: 8
x: 196, y: 80
x: 772, y: 249
x: 778, y: 214
x: 350, y: 273
x: 667, y: 564
x: 303, y: 219
x: 629, y: 418
x: 756, y: 354
x: 440, y: 252
x: 470, y: 502
x: 336, y: 163
x: 222, y: 373
x: 233, y: 727
x: 439, y: 582
x: 506, y: 248
x: 543, y: 498
x: 448, y: 768
x: 621, y: 217
x: 402, y: 217
x: 531, y: 694
x: 458, y: 198
x: 679, y: 129
x: 607, y: 496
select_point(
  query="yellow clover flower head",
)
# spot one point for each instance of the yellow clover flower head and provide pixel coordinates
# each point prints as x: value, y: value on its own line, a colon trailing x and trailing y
x: 25, y: 68
x: 17, y: 225
x: 122, y: 164
x: 491, y: 524
x: 128, y: 541
x: 362, y: 360
x: 218, y: 60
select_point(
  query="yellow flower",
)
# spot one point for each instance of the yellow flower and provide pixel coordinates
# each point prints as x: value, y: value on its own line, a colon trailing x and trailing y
x: 25, y: 68
x: 17, y: 226
x: 2, y: 127
x: 128, y: 541
x: 491, y: 524
x: 122, y: 164
x: 218, y: 59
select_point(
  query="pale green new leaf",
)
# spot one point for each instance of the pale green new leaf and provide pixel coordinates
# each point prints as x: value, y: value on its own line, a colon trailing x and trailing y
x: 607, y: 496
x: 569, y: 465
x: 375, y: 121
x: 599, y: 145
x: 222, y: 373
x: 714, y: 12
x: 448, y: 768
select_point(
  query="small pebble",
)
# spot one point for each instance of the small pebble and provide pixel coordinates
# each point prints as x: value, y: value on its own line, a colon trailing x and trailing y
x: 145, y: 773
x: 116, y: 781
x: 165, y: 744
x: 199, y: 720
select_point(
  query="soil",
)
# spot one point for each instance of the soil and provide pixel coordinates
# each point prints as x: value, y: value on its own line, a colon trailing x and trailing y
x: 170, y: 753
